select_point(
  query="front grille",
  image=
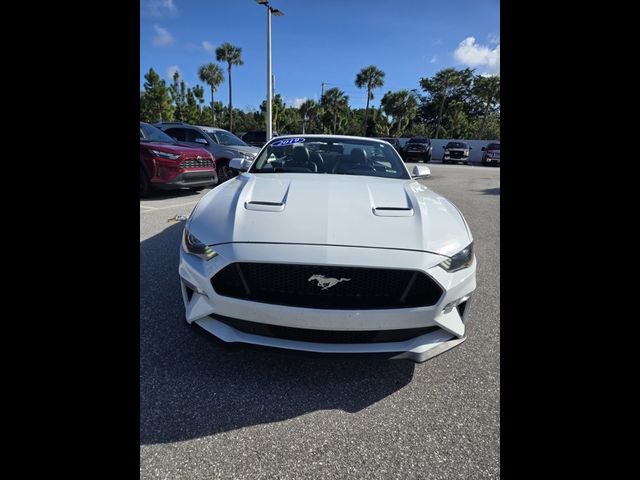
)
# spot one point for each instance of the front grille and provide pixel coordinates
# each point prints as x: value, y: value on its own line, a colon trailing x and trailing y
x: 324, y: 336
x: 455, y: 154
x: 199, y: 162
x: 341, y: 288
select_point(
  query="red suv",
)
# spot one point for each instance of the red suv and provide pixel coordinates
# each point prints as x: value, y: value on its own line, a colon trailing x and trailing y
x: 167, y: 164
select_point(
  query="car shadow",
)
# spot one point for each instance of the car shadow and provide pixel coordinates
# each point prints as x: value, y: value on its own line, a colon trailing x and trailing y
x: 491, y: 191
x: 193, y: 385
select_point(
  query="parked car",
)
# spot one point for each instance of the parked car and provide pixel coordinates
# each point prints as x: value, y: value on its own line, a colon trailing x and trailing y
x: 491, y: 155
x: 328, y: 244
x: 395, y: 142
x: 418, y: 147
x: 455, y: 152
x: 257, y: 138
x: 223, y: 144
x: 166, y: 164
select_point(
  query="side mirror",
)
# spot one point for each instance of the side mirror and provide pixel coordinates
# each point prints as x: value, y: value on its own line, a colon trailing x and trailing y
x: 201, y: 140
x: 470, y: 148
x: 420, y: 171
x: 443, y: 146
x: 240, y: 164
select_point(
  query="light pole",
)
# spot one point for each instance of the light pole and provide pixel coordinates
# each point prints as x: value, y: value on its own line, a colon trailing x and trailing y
x: 277, y: 13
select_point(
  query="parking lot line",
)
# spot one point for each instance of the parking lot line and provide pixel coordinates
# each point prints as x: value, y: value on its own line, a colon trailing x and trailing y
x: 153, y: 209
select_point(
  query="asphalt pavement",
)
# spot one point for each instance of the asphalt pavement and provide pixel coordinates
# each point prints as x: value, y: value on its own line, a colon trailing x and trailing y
x: 210, y: 410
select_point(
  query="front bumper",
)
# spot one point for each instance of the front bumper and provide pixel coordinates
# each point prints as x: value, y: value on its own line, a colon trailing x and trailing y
x: 189, y: 178
x: 492, y: 160
x: 207, y: 309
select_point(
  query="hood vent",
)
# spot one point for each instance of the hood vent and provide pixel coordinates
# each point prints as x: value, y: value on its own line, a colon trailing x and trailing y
x: 265, y: 206
x: 393, y: 211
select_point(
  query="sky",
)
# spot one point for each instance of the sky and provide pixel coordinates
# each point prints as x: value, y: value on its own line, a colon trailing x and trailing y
x: 319, y: 41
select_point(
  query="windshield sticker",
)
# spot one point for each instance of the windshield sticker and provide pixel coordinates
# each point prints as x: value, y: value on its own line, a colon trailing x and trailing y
x: 288, y: 141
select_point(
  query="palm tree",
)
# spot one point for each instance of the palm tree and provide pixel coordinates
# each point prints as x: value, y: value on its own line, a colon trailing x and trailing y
x: 399, y: 105
x: 370, y: 77
x: 232, y: 55
x: 488, y: 89
x: 308, y: 111
x: 212, y: 75
x: 335, y: 100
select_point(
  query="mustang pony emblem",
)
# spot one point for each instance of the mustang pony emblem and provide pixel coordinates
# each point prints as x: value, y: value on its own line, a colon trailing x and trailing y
x: 326, y: 283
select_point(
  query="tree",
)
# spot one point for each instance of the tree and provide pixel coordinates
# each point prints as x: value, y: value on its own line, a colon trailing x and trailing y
x: 335, y: 101
x: 448, y: 82
x: 212, y: 75
x: 178, y: 92
x: 370, y: 77
x: 309, y: 112
x: 232, y: 55
x: 277, y: 107
x: 155, y: 103
x: 193, y: 105
x: 487, y: 89
x: 400, y: 105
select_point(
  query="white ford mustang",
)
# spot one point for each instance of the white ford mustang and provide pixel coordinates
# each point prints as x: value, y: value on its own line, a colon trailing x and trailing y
x: 327, y: 244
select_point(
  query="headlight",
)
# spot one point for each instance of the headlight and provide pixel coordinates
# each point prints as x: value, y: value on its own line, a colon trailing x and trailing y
x: 247, y: 156
x: 170, y: 156
x: 195, y: 247
x: 489, y: 154
x: 460, y: 260
x: 466, y: 152
x: 446, y: 152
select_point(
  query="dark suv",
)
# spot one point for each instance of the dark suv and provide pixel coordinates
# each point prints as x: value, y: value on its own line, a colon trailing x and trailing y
x: 491, y: 154
x: 222, y: 144
x: 166, y: 164
x: 257, y: 138
x: 395, y: 142
x: 419, y: 147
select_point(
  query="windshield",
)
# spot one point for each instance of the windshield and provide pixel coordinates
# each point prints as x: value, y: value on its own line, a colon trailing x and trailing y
x: 334, y: 155
x: 149, y: 133
x: 493, y: 146
x: 456, y: 145
x: 227, y: 138
x: 418, y: 140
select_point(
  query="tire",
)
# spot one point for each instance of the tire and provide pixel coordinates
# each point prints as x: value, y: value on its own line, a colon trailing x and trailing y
x: 224, y: 172
x: 145, y: 184
x: 466, y: 163
x: 427, y: 159
x: 196, y: 189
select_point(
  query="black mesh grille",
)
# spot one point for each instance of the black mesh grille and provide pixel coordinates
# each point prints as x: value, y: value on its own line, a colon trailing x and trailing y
x: 197, y: 163
x: 456, y: 154
x: 324, y: 336
x: 351, y: 288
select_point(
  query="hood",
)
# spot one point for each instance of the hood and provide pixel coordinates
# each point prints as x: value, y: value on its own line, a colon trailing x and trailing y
x: 232, y: 149
x: 330, y: 210
x: 175, y: 148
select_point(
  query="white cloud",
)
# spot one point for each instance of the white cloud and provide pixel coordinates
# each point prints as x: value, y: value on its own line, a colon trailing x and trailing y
x: 208, y: 46
x: 163, y: 38
x: 493, y: 39
x: 434, y: 59
x: 171, y: 70
x: 296, y: 102
x: 157, y: 8
x: 473, y: 54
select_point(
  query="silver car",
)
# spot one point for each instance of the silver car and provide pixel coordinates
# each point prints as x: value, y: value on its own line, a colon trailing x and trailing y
x: 223, y: 144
